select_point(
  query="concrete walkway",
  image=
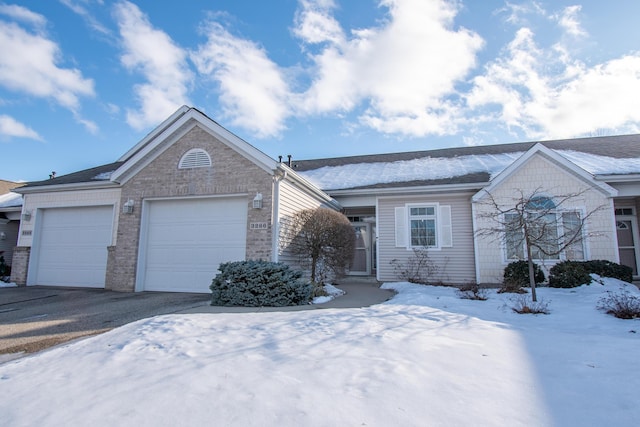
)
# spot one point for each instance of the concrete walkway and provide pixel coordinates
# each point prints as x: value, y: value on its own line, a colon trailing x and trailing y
x: 359, y: 293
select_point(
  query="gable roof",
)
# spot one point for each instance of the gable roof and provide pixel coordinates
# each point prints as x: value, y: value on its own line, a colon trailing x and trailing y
x: 151, y: 146
x: 556, y: 158
x: 617, y: 155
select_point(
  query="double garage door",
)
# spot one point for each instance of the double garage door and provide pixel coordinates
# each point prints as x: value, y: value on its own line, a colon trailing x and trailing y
x: 182, y: 244
x: 184, y: 241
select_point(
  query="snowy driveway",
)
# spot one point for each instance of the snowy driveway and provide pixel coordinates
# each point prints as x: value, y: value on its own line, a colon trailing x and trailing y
x: 34, y: 318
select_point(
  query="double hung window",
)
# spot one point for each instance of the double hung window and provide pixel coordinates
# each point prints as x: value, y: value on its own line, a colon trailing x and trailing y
x: 553, y: 234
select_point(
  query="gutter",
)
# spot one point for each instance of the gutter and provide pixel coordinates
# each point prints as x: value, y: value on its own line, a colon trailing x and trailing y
x: 66, y: 187
x: 408, y: 190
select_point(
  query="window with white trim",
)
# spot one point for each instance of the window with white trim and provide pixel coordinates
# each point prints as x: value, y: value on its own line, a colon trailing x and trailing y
x: 423, y: 225
x: 550, y: 226
x: 195, y: 158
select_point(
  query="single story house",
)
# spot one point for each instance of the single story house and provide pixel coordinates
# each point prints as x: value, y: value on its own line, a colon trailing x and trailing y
x: 191, y: 195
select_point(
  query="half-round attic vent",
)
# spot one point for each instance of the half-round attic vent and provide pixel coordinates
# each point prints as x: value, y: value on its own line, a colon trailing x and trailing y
x: 195, y: 158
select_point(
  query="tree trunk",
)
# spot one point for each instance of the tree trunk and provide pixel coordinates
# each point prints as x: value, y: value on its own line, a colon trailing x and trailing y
x: 532, y: 276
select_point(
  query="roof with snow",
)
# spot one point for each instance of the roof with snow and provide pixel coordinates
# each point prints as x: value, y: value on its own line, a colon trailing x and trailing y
x: 609, y: 155
x: 10, y: 200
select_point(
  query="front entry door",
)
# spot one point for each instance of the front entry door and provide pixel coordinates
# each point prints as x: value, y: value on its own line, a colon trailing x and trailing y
x: 627, y: 242
x: 361, y: 264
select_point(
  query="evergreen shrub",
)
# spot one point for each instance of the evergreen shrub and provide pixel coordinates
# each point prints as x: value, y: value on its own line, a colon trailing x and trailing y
x: 259, y: 284
x: 516, y: 276
x: 568, y: 274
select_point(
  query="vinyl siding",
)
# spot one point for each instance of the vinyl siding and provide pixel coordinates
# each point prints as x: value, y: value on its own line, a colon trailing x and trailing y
x: 455, y: 263
x: 543, y: 176
x: 291, y: 199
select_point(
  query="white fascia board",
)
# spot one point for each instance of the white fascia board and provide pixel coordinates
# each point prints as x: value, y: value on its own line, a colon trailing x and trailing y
x: 66, y: 187
x: 236, y: 143
x: 167, y: 136
x: 549, y: 154
x: 395, y: 191
x: 155, y: 132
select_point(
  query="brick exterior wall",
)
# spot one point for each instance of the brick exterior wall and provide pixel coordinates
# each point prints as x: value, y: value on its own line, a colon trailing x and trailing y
x: 20, y: 265
x: 231, y: 173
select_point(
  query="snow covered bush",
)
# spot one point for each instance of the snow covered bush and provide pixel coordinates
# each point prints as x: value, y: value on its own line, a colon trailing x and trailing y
x: 621, y: 304
x: 570, y: 274
x: 525, y: 305
x: 606, y: 268
x: 258, y: 284
x: 473, y: 291
x: 516, y: 276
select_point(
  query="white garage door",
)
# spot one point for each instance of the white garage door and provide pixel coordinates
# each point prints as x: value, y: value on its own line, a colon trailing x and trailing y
x: 186, y: 240
x: 72, y: 246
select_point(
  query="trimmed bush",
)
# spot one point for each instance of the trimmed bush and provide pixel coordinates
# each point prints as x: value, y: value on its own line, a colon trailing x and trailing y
x: 516, y: 276
x: 568, y: 274
x: 606, y: 268
x: 258, y: 284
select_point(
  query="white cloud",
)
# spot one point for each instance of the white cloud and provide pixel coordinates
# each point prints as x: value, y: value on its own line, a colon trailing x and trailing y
x: 402, y: 70
x: 162, y: 63
x: 314, y: 23
x: 253, y: 90
x: 10, y: 127
x: 28, y: 64
x: 20, y: 13
x: 568, y: 20
x: 549, y: 94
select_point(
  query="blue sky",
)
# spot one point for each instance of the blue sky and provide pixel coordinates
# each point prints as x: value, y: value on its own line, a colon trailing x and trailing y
x: 82, y: 81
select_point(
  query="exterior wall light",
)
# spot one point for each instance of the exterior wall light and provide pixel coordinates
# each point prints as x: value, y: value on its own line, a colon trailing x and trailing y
x: 3, y: 235
x: 257, y: 201
x: 26, y: 216
x: 128, y: 206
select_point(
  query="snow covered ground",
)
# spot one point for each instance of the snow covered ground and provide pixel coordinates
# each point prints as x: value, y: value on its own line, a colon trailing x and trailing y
x: 425, y: 358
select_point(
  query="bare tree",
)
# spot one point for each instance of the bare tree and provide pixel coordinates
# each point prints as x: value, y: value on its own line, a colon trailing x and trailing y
x: 324, y: 240
x: 537, y: 226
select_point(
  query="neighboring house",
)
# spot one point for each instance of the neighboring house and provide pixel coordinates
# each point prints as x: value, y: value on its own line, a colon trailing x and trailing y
x: 191, y: 195
x: 10, y: 207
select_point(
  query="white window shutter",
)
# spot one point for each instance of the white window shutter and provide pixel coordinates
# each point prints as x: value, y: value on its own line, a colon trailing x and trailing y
x: 401, y: 227
x: 446, y: 234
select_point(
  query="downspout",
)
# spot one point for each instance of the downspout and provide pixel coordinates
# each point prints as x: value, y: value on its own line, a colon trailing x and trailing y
x: 275, y: 216
x: 474, y: 227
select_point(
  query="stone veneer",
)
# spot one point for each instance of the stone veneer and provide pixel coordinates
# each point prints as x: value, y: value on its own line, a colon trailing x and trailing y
x: 230, y: 174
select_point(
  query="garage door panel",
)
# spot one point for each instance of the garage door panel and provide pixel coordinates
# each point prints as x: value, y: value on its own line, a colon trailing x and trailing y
x: 72, y: 246
x: 188, y: 239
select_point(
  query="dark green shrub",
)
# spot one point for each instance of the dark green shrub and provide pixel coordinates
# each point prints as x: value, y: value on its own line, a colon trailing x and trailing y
x: 569, y: 274
x: 516, y: 276
x: 5, y: 270
x: 258, y: 284
x: 606, y: 268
